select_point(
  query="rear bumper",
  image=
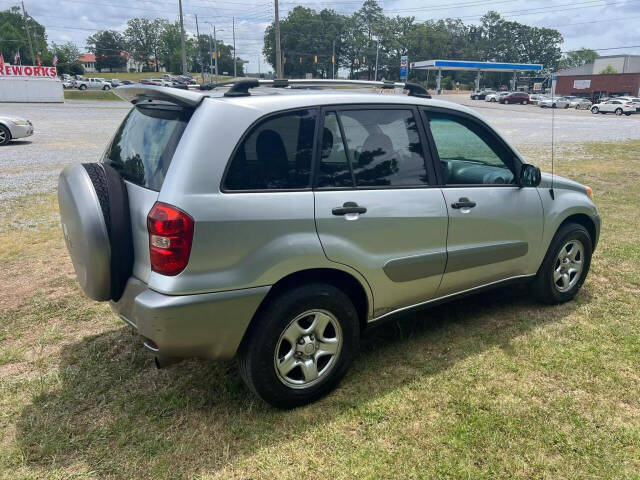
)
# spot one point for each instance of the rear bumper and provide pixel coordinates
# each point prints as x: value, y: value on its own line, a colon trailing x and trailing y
x: 207, y: 325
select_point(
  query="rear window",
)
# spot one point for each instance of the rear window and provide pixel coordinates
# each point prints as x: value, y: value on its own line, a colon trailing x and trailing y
x: 144, y: 145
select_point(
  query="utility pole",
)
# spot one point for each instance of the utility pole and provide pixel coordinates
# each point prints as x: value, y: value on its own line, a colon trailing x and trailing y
x: 235, y: 58
x: 210, y: 58
x: 26, y: 27
x: 278, y: 55
x: 375, y: 75
x: 333, y: 60
x: 184, y: 53
x: 199, y: 55
x: 215, y: 51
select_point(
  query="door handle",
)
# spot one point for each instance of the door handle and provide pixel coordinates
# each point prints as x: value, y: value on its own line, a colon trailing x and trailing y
x: 463, y: 202
x: 348, y: 207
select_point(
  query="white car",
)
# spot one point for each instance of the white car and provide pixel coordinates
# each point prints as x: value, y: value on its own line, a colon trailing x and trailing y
x: 634, y: 100
x: 555, y: 102
x: 494, y: 97
x: 93, y: 83
x: 616, y: 106
x: 12, y: 127
x: 580, y: 103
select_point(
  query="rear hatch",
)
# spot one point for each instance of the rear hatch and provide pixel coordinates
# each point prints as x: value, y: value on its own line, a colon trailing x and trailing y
x: 141, y: 151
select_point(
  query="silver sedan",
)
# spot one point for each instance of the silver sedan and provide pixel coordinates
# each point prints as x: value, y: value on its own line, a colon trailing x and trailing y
x: 12, y: 127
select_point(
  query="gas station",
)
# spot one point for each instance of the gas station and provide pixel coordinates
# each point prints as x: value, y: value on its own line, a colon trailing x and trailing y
x: 478, y: 67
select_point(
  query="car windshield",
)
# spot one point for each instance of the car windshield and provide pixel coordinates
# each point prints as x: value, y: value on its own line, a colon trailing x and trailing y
x: 144, y: 145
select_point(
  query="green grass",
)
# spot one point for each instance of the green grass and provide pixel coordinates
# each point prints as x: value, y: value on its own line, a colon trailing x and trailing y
x: 90, y: 95
x: 491, y: 386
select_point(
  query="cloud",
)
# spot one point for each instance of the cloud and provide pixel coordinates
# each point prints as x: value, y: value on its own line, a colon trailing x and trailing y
x: 583, y: 24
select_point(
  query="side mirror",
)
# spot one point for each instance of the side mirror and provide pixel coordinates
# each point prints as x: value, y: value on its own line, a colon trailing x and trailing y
x: 530, y: 176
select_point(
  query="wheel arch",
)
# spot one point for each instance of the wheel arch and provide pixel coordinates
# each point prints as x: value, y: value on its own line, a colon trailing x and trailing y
x: 345, y: 281
x: 586, y: 221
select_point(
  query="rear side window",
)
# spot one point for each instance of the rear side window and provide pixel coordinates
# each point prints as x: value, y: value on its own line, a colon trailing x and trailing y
x: 380, y: 148
x: 275, y: 155
x: 144, y: 145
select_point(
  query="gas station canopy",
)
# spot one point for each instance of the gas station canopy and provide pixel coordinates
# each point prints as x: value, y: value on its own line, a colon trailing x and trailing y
x: 479, y: 66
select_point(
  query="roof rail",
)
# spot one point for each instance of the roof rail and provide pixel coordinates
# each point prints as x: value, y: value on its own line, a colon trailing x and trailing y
x: 240, y: 86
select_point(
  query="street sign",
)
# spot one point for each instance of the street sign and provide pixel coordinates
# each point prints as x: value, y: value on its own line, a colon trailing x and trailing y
x: 403, y: 67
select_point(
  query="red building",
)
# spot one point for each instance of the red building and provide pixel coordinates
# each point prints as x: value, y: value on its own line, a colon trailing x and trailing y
x: 622, y: 77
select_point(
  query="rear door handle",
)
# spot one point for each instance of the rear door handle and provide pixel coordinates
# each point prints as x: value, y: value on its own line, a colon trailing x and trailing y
x: 463, y: 202
x: 348, y: 207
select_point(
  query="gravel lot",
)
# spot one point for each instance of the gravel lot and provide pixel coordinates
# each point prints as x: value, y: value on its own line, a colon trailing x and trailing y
x: 78, y: 131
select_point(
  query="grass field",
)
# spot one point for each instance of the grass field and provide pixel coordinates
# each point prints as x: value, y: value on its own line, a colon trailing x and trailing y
x: 90, y: 95
x: 492, y: 386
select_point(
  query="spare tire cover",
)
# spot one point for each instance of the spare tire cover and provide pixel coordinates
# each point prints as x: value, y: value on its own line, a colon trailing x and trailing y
x: 95, y: 220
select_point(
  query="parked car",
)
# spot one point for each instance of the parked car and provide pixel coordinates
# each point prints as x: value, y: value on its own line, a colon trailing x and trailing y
x: 67, y: 83
x: 580, y: 103
x: 13, y: 127
x: 493, y: 97
x: 554, y: 102
x: 115, y: 82
x: 151, y: 81
x: 220, y: 240
x: 515, y: 97
x: 616, y: 106
x: 536, y: 98
x: 634, y: 100
x: 481, y: 94
x: 92, y: 83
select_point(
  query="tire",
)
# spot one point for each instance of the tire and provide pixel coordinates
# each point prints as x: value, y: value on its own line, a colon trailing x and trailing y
x: 106, y: 87
x: 595, y: 110
x: 525, y: 102
x: 618, y: 111
x: 258, y: 358
x: 5, y: 135
x: 492, y: 100
x: 554, y: 282
x: 94, y: 210
x: 82, y: 87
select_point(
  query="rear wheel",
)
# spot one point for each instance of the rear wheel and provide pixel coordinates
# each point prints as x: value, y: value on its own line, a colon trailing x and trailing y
x: 565, y: 266
x: 82, y: 87
x: 300, y: 345
x: 5, y: 135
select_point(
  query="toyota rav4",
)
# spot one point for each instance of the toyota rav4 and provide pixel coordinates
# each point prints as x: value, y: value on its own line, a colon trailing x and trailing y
x: 274, y: 223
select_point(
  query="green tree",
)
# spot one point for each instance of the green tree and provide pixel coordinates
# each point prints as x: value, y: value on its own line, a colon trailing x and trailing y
x: 13, y: 37
x: 68, y: 54
x: 577, y: 58
x: 608, y: 70
x: 142, y: 39
x: 108, y: 46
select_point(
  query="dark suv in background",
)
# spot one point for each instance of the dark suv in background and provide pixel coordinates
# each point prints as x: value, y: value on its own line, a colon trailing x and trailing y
x: 515, y: 97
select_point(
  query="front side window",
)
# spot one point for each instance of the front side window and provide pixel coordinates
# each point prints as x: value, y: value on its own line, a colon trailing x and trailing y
x: 276, y: 155
x: 381, y: 147
x: 469, y: 154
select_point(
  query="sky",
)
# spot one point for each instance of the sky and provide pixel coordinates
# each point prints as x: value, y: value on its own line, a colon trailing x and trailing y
x: 596, y: 24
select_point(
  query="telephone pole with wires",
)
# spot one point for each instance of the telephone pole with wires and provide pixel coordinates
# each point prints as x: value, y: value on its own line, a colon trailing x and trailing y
x: 278, y: 53
x: 26, y: 27
x: 184, y: 53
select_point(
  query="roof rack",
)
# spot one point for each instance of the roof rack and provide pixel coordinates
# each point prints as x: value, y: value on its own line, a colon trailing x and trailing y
x: 241, y: 86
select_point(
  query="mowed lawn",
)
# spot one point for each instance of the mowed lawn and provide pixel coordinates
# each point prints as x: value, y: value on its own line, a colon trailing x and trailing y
x: 491, y: 386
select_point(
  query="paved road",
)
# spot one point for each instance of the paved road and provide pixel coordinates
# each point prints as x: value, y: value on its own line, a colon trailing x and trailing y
x: 78, y: 131
x: 523, y: 124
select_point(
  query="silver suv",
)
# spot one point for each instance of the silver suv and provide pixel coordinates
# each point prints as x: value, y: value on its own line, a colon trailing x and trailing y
x: 276, y: 224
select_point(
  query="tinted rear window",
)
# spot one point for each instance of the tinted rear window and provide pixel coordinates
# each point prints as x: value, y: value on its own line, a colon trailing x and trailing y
x: 144, y: 145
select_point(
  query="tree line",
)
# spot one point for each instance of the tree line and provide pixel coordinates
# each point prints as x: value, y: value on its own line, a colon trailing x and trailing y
x: 317, y: 42
x: 151, y: 42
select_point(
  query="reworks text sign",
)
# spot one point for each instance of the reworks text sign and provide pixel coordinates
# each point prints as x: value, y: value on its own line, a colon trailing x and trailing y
x: 27, y: 71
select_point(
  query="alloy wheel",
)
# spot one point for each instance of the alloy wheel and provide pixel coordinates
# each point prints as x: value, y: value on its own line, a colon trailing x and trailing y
x: 568, y: 265
x: 3, y: 136
x: 308, y: 349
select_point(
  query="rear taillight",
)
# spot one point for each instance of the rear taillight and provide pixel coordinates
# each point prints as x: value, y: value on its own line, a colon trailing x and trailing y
x: 170, y: 237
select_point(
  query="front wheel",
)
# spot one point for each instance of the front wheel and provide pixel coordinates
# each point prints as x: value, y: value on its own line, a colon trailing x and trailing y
x: 594, y: 110
x: 5, y: 135
x: 565, y: 266
x: 618, y: 111
x: 300, y: 345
